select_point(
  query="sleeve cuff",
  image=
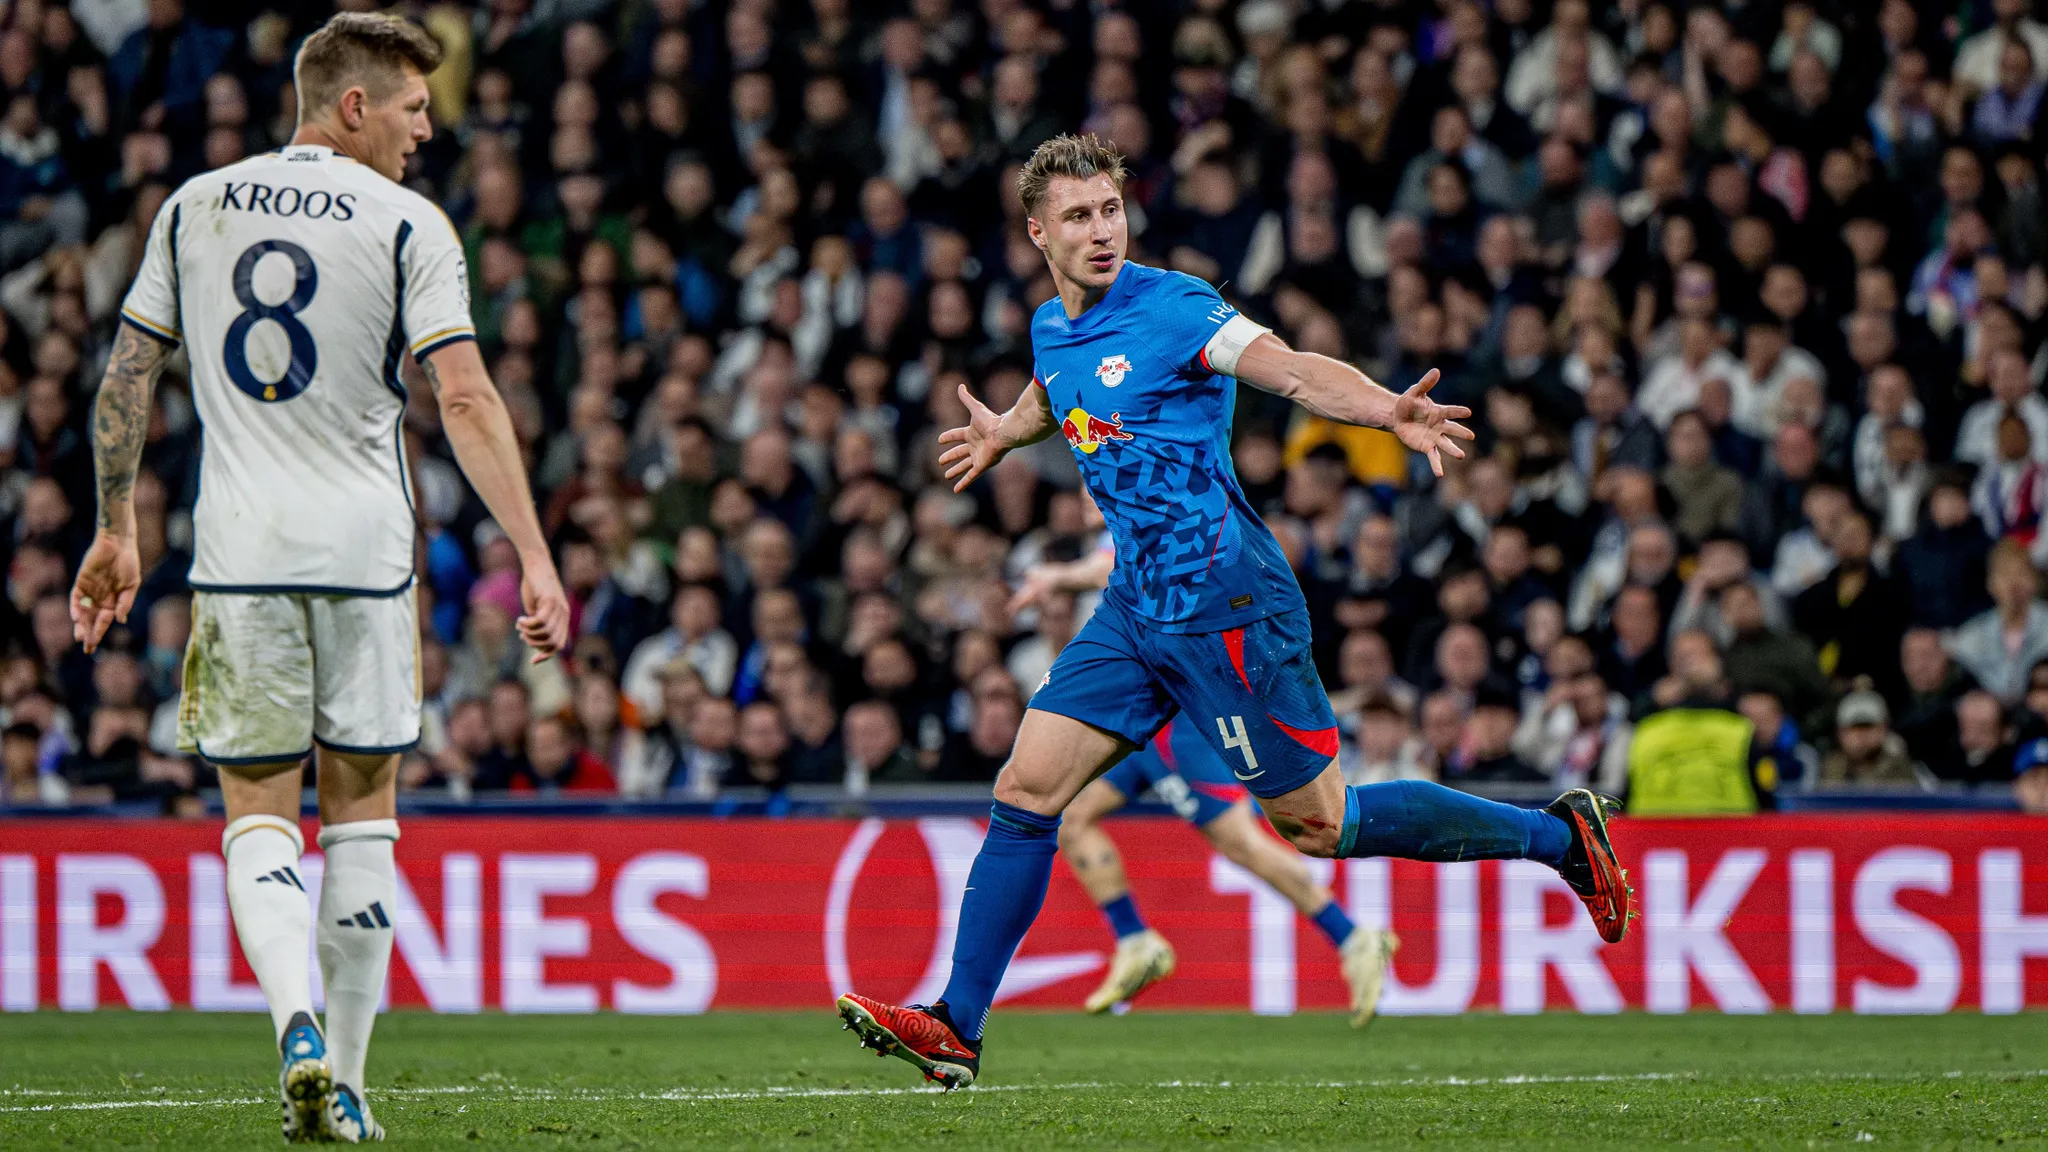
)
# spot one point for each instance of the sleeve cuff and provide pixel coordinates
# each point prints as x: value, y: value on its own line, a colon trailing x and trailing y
x: 149, y: 328
x: 440, y: 340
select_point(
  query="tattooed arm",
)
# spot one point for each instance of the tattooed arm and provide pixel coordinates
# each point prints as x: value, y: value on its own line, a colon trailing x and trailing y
x: 120, y: 422
x: 112, y: 571
x: 480, y: 430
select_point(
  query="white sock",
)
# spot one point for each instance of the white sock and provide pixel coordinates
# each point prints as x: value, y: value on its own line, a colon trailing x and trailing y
x: 273, y: 918
x: 356, y: 905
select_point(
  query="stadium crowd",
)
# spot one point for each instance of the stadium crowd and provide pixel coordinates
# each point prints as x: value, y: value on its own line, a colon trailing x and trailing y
x: 1747, y: 297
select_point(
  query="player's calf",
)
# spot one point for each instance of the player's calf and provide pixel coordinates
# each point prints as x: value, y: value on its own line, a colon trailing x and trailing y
x: 273, y: 918
x: 355, y: 935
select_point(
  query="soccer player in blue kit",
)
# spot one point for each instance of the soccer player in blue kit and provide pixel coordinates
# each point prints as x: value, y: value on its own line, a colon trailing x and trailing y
x: 1202, y: 616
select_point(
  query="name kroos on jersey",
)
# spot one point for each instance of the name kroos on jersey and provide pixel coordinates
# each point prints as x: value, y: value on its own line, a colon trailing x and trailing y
x: 318, y: 204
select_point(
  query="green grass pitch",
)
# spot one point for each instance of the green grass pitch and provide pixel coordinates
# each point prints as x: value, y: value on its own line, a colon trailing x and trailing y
x: 1146, y: 1080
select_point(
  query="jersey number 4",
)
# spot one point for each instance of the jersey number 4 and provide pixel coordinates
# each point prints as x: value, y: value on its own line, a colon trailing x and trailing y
x: 1241, y: 741
x: 235, y: 349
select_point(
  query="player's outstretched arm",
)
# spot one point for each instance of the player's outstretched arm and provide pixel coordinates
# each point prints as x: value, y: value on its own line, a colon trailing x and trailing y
x: 1336, y: 391
x: 111, y: 572
x: 480, y: 430
x: 987, y: 437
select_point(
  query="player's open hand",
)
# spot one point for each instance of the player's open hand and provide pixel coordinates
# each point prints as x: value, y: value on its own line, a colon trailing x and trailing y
x: 975, y: 447
x: 545, y: 627
x: 1429, y: 427
x: 107, y: 581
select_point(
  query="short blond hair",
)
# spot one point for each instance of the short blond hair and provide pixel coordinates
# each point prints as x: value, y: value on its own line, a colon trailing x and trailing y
x: 1074, y: 157
x: 360, y: 48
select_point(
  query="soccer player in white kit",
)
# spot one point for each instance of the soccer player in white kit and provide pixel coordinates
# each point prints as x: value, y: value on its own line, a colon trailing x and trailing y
x: 298, y: 281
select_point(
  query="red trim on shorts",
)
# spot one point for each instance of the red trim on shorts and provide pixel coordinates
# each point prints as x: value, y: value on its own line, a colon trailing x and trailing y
x: 1163, y: 742
x: 1224, y: 793
x: 1233, y: 639
x: 1322, y: 740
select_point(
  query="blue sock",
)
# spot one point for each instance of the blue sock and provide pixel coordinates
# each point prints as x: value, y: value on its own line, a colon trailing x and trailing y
x: 1334, y: 923
x: 1417, y: 820
x: 1123, y: 916
x: 1005, y: 889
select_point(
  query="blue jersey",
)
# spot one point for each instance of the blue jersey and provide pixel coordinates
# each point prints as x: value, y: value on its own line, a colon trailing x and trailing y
x: 1149, y: 425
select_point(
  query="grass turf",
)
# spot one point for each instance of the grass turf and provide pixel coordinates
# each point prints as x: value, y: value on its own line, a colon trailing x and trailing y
x: 1147, y: 1080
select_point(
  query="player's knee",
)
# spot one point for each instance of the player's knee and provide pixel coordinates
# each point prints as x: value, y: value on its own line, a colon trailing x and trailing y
x: 1013, y: 787
x: 1310, y: 840
x: 1070, y: 832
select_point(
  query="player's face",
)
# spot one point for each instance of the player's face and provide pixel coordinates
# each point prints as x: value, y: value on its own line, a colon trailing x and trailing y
x: 395, y: 126
x: 1083, y: 231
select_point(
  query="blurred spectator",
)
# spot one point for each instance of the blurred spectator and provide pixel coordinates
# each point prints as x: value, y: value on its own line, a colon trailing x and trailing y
x: 2000, y: 645
x: 510, y: 716
x: 1856, y: 614
x: 1387, y: 747
x: 1709, y: 497
x: 1631, y: 657
x: 1867, y: 752
x: 1487, y: 754
x: 1780, y: 757
x: 981, y: 752
x: 875, y: 752
x: 558, y: 761
x: 1926, y: 717
x: 693, y: 635
x: 1943, y: 565
x: 763, y: 747
x: 1983, y: 752
x: 1442, y: 727
x: 1761, y: 658
x: 20, y: 775
x: 1587, y: 735
x: 705, y: 761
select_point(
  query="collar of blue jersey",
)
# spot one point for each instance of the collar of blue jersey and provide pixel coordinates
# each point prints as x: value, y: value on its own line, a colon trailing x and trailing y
x: 1086, y: 319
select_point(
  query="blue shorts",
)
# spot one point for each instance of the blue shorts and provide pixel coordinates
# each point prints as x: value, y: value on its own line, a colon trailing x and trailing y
x: 1250, y: 693
x: 1182, y: 771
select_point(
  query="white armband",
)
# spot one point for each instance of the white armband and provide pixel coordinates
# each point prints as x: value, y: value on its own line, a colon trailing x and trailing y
x: 1221, y: 353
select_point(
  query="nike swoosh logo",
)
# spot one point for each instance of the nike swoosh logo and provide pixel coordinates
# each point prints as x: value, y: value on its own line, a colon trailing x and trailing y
x: 1047, y: 382
x: 1242, y: 776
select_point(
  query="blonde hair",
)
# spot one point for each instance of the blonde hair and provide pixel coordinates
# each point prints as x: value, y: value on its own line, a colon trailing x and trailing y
x: 1073, y: 157
x: 359, y: 48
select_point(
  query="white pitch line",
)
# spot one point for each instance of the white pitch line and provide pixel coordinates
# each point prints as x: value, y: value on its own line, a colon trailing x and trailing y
x: 705, y: 1096
x: 105, y: 1105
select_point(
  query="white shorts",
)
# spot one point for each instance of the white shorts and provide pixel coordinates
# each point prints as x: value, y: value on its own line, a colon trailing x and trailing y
x: 269, y: 675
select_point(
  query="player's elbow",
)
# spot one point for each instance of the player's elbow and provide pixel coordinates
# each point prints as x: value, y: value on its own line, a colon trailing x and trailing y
x: 464, y: 401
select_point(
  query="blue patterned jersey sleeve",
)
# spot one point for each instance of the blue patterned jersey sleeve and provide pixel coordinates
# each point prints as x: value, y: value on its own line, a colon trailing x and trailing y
x: 1181, y: 319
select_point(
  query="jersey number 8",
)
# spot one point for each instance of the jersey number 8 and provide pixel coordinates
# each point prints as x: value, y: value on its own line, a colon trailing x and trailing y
x: 235, y: 350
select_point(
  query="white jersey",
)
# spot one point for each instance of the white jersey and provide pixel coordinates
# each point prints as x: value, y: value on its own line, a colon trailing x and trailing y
x: 298, y: 280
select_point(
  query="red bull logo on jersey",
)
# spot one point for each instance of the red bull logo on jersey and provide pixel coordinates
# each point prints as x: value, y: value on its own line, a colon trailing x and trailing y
x: 1111, y: 370
x: 1087, y: 433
